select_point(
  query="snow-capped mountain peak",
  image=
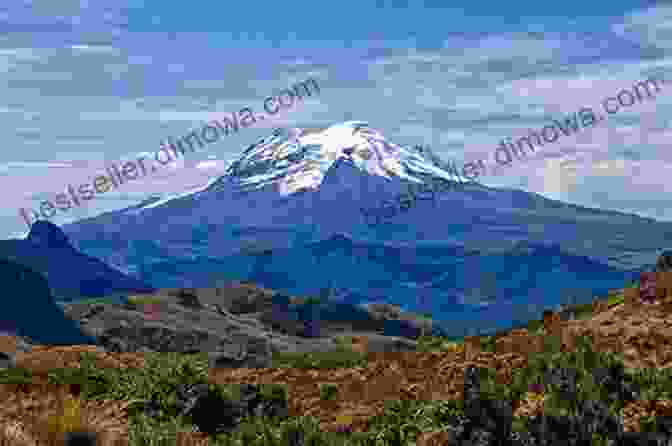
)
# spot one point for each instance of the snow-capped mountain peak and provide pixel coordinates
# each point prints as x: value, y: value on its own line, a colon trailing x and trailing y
x: 297, y: 159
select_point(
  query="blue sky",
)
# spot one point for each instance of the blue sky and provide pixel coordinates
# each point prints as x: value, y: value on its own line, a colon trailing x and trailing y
x: 86, y: 84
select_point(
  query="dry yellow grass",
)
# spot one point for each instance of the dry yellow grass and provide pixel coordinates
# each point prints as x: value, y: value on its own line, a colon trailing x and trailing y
x: 37, y: 416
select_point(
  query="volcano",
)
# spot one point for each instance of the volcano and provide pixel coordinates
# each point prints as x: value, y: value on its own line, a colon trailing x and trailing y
x: 287, y: 214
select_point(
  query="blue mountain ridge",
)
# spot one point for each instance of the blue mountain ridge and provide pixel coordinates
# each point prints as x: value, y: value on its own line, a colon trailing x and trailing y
x: 463, y: 289
x: 71, y: 275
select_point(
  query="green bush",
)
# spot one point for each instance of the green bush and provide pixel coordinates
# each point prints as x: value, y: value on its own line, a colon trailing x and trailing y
x: 15, y: 375
x: 616, y: 299
x: 328, y: 391
x: 488, y: 343
x: 273, y: 391
x: 535, y: 326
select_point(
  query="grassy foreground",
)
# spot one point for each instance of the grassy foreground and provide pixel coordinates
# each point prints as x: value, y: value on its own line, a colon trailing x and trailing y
x: 399, y: 425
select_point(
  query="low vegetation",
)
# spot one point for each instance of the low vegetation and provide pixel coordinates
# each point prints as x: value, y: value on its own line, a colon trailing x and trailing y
x: 143, y: 300
x: 400, y: 424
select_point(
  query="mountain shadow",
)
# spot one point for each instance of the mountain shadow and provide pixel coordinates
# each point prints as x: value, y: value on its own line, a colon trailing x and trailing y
x: 29, y: 309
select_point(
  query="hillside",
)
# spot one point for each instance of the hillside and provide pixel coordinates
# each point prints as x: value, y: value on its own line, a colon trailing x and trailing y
x: 366, y: 390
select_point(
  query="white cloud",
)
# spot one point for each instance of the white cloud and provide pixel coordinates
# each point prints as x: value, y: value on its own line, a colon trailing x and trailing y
x: 213, y: 164
x: 615, y: 167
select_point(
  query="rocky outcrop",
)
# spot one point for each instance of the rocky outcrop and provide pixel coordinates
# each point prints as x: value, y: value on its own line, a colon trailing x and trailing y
x: 235, y: 297
x: 664, y: 262
x: 7, y: 360
x: 238, y: 325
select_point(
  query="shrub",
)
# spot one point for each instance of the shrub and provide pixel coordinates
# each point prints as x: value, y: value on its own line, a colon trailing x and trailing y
x: 143, y: 300
x: 328, y: 391
x: 488, y: 343
x: 616, y: 299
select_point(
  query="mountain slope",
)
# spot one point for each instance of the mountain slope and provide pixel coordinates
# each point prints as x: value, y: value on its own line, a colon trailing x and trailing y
x: 291, y: 192
x: 470, y: 290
